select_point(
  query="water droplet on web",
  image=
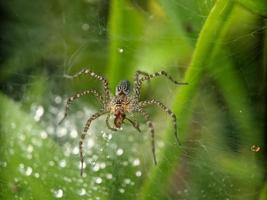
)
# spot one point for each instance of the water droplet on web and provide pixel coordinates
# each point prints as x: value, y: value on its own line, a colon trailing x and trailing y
x: 58, y: 99
x: 62, y: 163
x: 85, y: 27
x: 119, y: 152
x: 109, y: 176
x: 90, y: 143
x: 61, y: 132
x: 98, y: 180
x: 75, y: 150
x: 28, y: 171
x: 36, y: 175
x: 38, y: 113
x: 82, y: 192
x: 43, y: 135
x: 120, y: 50
x: 121, y: 190
x: 73, y: 133
x: 136, y: 162
x: 96, y: 167
x: 51, y: 163
x: 106, y: 136
x: 30, y: 148
x: 138, y: 173
x: 102, y: 165
x: 58, y: 193
x: 127, y: 181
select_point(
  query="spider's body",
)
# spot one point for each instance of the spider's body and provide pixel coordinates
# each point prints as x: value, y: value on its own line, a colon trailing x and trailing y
x: 122, y: 104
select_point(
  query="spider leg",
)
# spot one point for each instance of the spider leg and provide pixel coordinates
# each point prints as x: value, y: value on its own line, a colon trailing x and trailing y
x: 138, y: 82
x: 86, y: 127
x: 134, y: 124
x: 96, y: 76
x: 165, y: 109
x: 108, y: 125
x: 152, y: 131
x: 137, y: 89
x: 78, y: 95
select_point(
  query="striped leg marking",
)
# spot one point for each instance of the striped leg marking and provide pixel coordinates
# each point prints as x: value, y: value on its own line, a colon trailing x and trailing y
x: 167, y: 110
x: 138, y: 82
x: 78, y: 95
x: 137, y: 88
x: 86, y: 127
x: 98, y: 77
x: 152, y: 131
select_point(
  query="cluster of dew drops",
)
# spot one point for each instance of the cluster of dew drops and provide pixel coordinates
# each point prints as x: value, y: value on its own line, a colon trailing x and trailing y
x: 68, y: 132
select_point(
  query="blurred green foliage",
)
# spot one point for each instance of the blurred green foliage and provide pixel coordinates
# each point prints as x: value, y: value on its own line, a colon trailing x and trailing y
x: 218, y: 47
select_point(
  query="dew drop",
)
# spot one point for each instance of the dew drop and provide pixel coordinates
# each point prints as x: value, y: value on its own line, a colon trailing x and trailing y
x: 127, y: 181
x: 82, y: 192
x: 138, y: 173
x: 120, y: 50
x: 98, y: 180
x: 36, y: 175
x: 30, y: 149
x: 119, y: 152
x: 62, y: 163
x: 121, y: 190
x: 106, y: 136
x: 73, y: 133
x: 58, y: 193
x: 90, y: 143
x: 28, y: 171
x: 75, y: 150
x: 136, y: 162
x: 85, y: 27
x: 58, y: 99
x: 38, y: 113
x: 109, y: 176
x: 61, y: 132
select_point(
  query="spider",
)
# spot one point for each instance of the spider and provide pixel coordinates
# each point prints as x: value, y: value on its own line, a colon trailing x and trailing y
x: 120, y: 105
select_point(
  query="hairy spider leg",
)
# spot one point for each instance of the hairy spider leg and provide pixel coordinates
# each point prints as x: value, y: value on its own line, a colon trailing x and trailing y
x: 152, y: 131
x: 134, y: 124
x: 108, y: 125
x: 138, y: 82
x: 86, y: 127
x: 98, y: 77
x: 78, y: 95
x: 167, y: 110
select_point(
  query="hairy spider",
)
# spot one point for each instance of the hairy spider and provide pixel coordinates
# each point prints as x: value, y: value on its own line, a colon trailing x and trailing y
x: 122, y: 104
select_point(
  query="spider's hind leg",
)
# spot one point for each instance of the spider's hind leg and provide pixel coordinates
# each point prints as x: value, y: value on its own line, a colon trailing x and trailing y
x: 152, y: 131
x: 165, y: 109
x: 76, y: 96
x: 86, y: 127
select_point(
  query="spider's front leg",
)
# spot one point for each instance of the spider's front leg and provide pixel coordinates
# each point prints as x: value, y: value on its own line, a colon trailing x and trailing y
x: 78, y: 95
x: 165, y: 109
x: 152, y: 131
x: 138, y: 81
x: 87, y: 125
x: 96, y: 76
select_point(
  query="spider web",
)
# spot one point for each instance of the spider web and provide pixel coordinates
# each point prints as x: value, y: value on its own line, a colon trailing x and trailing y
x: 41, y: 156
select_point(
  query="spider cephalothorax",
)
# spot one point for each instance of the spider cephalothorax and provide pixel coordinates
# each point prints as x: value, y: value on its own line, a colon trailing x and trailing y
x: 122, y: 104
